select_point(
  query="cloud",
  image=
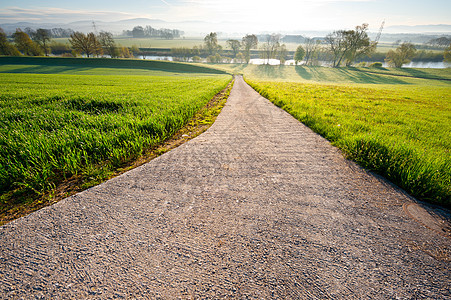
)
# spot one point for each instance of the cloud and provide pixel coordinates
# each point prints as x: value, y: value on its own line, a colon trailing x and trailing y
x: 167, y: 3
x: 52, y: 14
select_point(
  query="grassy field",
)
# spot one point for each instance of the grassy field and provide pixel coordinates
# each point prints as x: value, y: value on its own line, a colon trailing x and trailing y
x: 399, y: 127
x: 101, y: 66
x: 188, y: 42
x: 403, y: 76
x: 56, y: 125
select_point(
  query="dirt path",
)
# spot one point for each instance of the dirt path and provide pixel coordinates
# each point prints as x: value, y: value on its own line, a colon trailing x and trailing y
x: 259, y: 206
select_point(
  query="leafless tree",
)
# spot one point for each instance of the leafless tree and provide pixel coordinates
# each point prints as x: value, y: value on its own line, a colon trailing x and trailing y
x: 311, y: 47
x: 249, y: 42
x: 108, y: 44
x: 42, y: 37
x: 270, y: 47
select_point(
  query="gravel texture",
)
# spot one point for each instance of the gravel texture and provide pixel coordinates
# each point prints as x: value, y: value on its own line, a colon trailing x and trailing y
x: 257, y: 207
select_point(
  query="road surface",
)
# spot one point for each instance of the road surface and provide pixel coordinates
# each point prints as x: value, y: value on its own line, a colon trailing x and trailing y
x: 257, y: 207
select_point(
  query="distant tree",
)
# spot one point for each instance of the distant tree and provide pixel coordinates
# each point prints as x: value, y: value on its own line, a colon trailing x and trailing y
x: 138, y: 32
x: 240, y: 58
x: 299, y: 54
x: 235, y: 45
x: 85, y: 43
x: 42, y: 37
x: 125, y: 52
x: 108, y: 45
x: 337, y: 46
x: 312, y: 48
x: 167, y: 34
x: 359, y: 44
x: 270, y: 47
x: 402, y: 55
x: 217, y: 58
x: 134, y: 50
x: 59, y: 48
x: 30, y: 31
x: 198, y: 50
x: 249, y: 42
x: 25, y: 45
x: 440, y: 42
x: 60, y: 32
x: 181, y: 54
x: 282, y: 54
x: 347, y: 45
x: 127, y: 33
x: 211, y: 43
x: 6, y: 48
x: 447, y: 54
x: 164, y: 33
x: 149, y: 31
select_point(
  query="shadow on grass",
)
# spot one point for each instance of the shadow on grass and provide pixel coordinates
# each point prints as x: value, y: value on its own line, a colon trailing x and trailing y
x: 303, y: 72
x: 109, y: 63
x: 357, y: 76
x: 407, y: 72
x: 271, y: 71
x: 46, y: 69
x: 239, y: 67
x: 345, y: 75
x: 418, y: 73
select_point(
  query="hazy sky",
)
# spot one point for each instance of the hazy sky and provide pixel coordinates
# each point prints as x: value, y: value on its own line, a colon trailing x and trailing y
x: 267, y: 15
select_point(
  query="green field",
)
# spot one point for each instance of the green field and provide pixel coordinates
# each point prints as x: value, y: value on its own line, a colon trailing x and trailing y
x: 403, y: 76
x: 397, y: 126
x: 188, y: 42
x: 56, y: 125
x: 99, y: 66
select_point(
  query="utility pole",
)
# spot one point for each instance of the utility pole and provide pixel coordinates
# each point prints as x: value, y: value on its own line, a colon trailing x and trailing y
x: 380, y: 32
x: 94, y: 28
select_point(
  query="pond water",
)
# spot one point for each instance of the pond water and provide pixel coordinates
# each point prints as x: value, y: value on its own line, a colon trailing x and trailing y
x: 422, y: 64
x: 276, y: 62
x: 168, y: 58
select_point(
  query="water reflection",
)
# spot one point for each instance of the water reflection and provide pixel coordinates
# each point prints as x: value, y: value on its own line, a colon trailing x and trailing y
x: 276, y: 62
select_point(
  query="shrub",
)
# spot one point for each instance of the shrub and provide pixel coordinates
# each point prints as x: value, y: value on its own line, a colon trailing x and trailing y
x: 376, y: 65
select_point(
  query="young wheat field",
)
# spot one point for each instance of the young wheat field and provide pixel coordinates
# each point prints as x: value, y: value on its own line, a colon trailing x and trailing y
x: 54, y: 126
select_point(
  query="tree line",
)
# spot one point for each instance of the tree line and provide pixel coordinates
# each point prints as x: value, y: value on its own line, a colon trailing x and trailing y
x: 340, y: 48
x: 150, y: 32
x: 38, y: 43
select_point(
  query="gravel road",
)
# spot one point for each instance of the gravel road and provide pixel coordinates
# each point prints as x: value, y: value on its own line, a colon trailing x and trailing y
x: 257, y: 207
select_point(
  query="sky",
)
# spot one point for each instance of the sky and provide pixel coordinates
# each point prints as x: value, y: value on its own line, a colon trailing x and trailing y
x: 279, y: 15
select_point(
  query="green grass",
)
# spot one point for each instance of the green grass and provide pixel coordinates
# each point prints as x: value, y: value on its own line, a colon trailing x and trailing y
x: 39, y: 65
x: 401, y: 131
x: 80, y: 70
x: 188, y: 42
x: 326, y: 75
x: 56, y: 125
x: 439, y: 74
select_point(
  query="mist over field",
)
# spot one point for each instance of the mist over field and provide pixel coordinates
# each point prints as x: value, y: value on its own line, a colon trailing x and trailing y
x: 199, y: 17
